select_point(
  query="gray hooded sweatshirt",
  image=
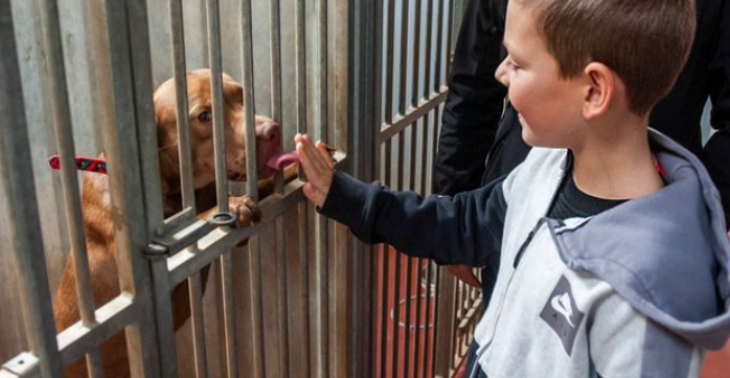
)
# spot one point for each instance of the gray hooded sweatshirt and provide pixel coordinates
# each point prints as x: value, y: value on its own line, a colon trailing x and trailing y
x: 640, y: 290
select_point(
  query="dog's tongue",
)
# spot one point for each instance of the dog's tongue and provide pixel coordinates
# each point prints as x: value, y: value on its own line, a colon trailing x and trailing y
x: 281, y: 160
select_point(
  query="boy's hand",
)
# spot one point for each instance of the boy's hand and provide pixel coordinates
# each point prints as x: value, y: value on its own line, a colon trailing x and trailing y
x: 318, y: 166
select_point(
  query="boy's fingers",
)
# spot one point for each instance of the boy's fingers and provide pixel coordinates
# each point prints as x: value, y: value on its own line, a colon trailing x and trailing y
x: 325, y: 154
x: 308, y: 158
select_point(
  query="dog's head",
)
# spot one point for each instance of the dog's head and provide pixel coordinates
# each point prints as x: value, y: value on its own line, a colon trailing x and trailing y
x: 200, y: 118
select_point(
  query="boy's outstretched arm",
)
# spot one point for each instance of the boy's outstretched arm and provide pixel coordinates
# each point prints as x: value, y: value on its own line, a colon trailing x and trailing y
x: 466, y: 229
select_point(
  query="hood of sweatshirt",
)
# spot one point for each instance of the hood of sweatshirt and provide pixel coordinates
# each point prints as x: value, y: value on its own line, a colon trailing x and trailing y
x: 667, y: 253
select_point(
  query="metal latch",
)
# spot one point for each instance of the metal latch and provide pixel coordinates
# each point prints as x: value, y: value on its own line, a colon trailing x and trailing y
x: 178, y: 240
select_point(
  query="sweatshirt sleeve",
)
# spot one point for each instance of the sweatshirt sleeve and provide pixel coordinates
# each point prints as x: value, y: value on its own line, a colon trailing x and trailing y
x: 625, y: 343
x: 465, y: 229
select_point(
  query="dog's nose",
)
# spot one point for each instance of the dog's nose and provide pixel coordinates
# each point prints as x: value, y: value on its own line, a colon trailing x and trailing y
x: 270, y: 132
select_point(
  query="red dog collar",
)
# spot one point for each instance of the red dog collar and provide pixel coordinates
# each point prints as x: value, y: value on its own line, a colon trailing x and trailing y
x: 82, y: 164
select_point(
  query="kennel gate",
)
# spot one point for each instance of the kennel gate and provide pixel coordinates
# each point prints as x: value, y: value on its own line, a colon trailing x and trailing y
x: 332, y: 289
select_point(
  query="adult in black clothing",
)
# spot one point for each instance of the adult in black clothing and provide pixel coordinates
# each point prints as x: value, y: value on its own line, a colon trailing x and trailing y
x: 479, y: 142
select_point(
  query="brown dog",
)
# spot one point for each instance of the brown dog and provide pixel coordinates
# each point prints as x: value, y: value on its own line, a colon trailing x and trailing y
x: 96, y: 205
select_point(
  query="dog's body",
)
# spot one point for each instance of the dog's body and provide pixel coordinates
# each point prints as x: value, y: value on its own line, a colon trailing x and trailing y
x: 96, y: 201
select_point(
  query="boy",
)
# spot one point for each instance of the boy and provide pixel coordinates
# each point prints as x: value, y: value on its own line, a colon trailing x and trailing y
x: 614, y: 258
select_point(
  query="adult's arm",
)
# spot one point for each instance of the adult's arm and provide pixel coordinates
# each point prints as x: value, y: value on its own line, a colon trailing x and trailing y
x: 475, y: 100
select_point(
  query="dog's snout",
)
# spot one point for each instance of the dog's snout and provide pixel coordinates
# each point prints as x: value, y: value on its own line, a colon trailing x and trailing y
x: 270, y: 132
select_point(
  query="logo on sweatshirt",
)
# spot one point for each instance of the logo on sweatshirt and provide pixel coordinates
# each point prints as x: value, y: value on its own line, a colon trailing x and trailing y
x: 562, y: 315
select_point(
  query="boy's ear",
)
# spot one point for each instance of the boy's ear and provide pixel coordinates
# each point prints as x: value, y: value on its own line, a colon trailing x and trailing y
x: 599, y: 91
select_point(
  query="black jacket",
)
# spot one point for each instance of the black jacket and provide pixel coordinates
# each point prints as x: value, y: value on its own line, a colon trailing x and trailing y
x: 475, y: 130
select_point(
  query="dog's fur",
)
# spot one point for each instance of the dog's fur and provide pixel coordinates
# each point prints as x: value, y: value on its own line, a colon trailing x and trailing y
x: 96, y: 202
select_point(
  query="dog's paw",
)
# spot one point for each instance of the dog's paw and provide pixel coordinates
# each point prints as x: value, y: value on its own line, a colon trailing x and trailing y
x: 246, y: 210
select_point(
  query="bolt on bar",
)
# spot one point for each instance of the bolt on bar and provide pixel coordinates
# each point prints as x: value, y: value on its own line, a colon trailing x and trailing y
x: 18, y: 182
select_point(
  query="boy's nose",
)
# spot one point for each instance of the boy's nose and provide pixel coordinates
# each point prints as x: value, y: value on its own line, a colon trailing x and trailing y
x: 501, y: 73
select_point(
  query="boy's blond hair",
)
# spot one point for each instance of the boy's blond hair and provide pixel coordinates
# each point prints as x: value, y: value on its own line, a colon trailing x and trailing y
x: 646, y: 42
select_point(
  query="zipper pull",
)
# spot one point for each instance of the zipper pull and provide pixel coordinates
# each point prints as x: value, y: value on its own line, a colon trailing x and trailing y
x: 526, y: 243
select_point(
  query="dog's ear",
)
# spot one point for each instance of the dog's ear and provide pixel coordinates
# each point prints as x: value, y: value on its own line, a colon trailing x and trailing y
x: 233, y: 93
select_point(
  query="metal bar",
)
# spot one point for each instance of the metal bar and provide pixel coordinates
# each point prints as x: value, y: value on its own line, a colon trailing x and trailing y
x: 121, y: 142
x: 398, y: 257
x: 18, y: 182
x: 418, y: 327
x: 248, y: 99
x: 302, y: 249
x: 76, y: 340
x: 282, y: 274
x: 427, y: 321
x: 229, y: 319
x: 439, y: 45
x: 401, y: 122
x: 386, y: 274
x: 254, y: 255
x: 321, y: 297
x: 323, y: 71
x: 163, y: 311
x: 197, y: 319
x: 301, y: 63
x: 219, y: 116
x: 390, y: 40
x: 407, y: 322
x: 404, y: 27
x: 275, y: 21
x: 434, y: 350
x: 451, y: 23
x: 65, y: 144
x: 415, y: 94
x: 429, y: 50
x: 177, y: 33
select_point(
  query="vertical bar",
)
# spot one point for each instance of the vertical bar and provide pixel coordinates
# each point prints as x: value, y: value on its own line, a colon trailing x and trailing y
x: 275, y: 21
x: 322, y: 69
x: 398, y: 260
x: 18, y: 182
x: 303, y: 207
x: 282, y: 273
x: 322, y: 226
x: 390, y: 40
x: 65, y: 144
x: 119, y: 130
x: 415, y: 94
x: 301, y: 63
x: 303, y: 228
x: 321, y: 278
x: 439, y: 47
x: 386, y: 273
x: 451, y: 32
x: 427, y: 339
x: 197, y: 319
x: 256, y: 305
x: 216, y: 88
x: 181, y: 95
x: 248, y: 100
x: 405, y: 18
x: 427, y: 88
x: 231, y: 352
x: 434, y: 351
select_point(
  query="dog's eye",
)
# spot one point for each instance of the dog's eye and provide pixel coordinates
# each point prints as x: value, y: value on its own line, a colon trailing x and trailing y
x: 205, y: 116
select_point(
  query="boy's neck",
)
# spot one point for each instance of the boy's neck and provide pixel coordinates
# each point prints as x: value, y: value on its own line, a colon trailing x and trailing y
x: 615, y: 162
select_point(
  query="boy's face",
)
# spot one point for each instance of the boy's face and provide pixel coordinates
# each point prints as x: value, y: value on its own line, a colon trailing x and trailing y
x: 549, y: 107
